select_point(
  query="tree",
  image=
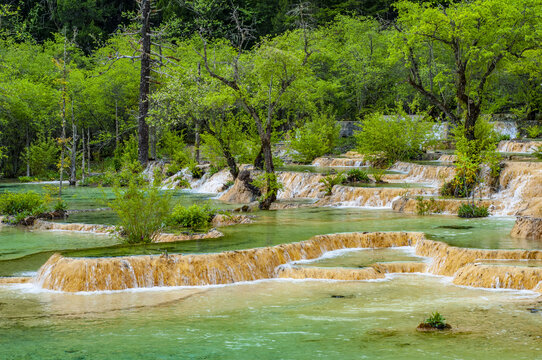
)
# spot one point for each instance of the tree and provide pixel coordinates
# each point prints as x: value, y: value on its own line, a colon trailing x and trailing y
x: 261, y: 81
x: 473, y: 40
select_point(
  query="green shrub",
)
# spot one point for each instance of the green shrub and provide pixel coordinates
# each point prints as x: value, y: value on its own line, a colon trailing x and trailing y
x: 142, y: 212
x: 503, y: 137
x: 472, y: 211
x: 395, y: 137
x: 331, y: 180
x: 42, y: 155
x: 427, y: 207
x: 196, y: 171
x: 29, y: 203
x: 314, y: 138
x: 533, y: 131
x: 378, y: 174
x: 358, y: 175
x: 538, y: 152
x: 471, y: 154
x: 269, y: 185
x: 60, y: 206
x: 194, y: 217
x: 436, y: 320
x: 25, y: 179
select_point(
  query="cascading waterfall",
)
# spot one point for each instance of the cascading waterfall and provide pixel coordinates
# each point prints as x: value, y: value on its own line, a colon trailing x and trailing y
x: 464, y: 265
x: 511, y: 146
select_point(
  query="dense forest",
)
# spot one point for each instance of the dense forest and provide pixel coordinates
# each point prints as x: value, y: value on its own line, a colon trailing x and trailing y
x: 84, y: 81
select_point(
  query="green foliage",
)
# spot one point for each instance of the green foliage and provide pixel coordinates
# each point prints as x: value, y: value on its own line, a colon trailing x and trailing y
x: 196, y: 171
x: 60, y: 206
x: 313, y: 139
x: 173, y: 146
x: 26, y: 179
x: 357, y: 175
x: 436, y: 320
x: 533, y: 131
x: 378, y: 174
x: 331, y: 180
x: 538, y: 152
x: 142, y: 212
x: 427, y: 207
x: 395, y: 137
x: 29, y: 203
x: 472, y: 211
x: 41, y: 155
x: 194, y: 217
x: 471, y: 154
x: 268, y: 184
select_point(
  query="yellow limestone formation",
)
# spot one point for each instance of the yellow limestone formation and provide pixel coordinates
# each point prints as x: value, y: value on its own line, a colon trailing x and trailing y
x: 449, y: 259
x: 515, y: 146
x: 528, y: 228
x: 499, y: 277
x: 85, y: 274
x: 369, y: 197
x: 368, y: 273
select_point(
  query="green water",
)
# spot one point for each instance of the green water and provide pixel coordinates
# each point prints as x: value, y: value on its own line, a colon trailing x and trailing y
x: 272, y: 320
x: 277, y: 319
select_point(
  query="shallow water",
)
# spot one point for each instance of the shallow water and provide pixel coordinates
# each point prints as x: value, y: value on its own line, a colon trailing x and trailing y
x: 272, y: 320
x: 276, y: 319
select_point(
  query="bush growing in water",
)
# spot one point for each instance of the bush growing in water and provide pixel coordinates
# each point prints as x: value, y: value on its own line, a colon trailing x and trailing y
x: 194, y: 217
x: 142, y: 212
x: 533, y: 131
x: 27, y: 204
x: 358, y: 175
x: 472, y: 211
x: 437, y: 321
x: 395, y: 137
x: 471, y: 154
x: 331, y: 180
x: 314, y: 138
x: 426, y: 207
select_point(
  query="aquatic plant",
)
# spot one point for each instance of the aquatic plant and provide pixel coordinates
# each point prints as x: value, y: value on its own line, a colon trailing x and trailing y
x: 435, y: 321
x: 378, y: 174
x: 472, y: 211
x: 194, y: 217
x: 60, y: 206
x: 358, y: 175
x: 331, y: 180
x: 427, y: 207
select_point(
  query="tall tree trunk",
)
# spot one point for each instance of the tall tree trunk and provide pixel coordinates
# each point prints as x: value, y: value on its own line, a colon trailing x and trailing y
x: 271, y: 195
x: 73, y: 155
x: 258, y: 161
x: 143, y: 127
